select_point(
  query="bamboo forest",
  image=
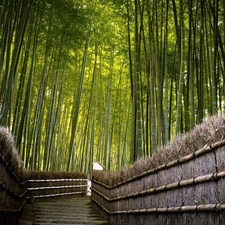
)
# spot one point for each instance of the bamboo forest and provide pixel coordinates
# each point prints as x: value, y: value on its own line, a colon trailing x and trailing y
x: 107, y: 80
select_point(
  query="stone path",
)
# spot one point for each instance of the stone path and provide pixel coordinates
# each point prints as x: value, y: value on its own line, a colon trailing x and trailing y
x: 76, y: 211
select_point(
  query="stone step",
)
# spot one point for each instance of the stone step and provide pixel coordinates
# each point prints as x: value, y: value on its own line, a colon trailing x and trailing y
x: 66, y: 211
x: 68, y: 223
x: 69, y: 211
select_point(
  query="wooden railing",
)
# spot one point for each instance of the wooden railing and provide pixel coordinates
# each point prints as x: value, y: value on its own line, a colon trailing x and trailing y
x: 189, y: 190
x: 18, y: 185
x: 56, y: 187
x: 15, y: 191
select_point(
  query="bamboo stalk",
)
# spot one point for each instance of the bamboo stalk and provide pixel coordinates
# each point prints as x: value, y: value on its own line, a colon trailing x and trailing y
x: 77, y: 99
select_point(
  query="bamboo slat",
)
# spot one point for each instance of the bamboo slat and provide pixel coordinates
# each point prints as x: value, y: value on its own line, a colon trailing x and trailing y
x: 4, y: 210
x: 179, y: 184
x: 55, y: 180
x: 188, y: 208
x: 204, y: 150
x: 58, y: 194
x: 9, y: 170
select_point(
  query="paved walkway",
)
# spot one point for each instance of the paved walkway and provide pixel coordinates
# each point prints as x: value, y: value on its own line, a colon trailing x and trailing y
x: 76, y: 211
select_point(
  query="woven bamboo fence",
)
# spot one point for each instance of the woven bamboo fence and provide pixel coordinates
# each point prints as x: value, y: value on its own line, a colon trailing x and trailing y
x: 13, y: 188
x: 183, y: 183
x: 18, y: 185
x: 47, y: 184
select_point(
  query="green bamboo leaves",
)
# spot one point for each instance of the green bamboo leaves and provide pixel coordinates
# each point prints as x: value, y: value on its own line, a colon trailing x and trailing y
x: 109, y: 86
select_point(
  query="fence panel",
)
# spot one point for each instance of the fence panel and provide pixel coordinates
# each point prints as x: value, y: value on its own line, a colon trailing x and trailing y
x: 184, y: 191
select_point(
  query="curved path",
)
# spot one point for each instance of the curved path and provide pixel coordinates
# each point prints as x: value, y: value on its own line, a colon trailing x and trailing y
x: 75, y: 210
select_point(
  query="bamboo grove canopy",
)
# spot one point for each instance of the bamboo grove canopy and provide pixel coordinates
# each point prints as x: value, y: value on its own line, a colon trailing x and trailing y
x: 107, y: 81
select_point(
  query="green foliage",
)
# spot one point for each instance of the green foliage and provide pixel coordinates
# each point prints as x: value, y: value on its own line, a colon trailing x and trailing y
x: 69, y: 103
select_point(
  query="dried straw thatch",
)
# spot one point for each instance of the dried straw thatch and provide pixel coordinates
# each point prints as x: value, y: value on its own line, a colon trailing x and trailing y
x: 12, y: 190
x: 8, y: 151
x: 181, y: 184
x: 210, y: 131
x: 18, y: 183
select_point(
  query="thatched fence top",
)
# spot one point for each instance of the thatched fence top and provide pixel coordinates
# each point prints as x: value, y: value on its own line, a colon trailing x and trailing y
x: 182, y: 183
x: 18, y: 185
